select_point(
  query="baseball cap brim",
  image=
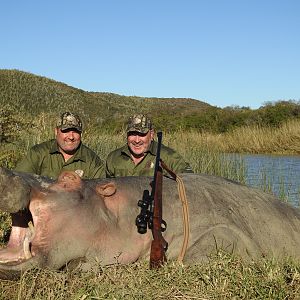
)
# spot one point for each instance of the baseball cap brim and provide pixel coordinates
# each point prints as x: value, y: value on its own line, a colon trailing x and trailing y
x: 137, y: 129
x: 67, y: 127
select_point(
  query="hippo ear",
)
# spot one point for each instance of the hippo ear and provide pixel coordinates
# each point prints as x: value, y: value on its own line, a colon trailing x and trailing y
x: 106, y: 190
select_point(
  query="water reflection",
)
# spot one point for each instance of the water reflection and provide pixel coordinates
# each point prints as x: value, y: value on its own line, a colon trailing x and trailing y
x: 279, y: 174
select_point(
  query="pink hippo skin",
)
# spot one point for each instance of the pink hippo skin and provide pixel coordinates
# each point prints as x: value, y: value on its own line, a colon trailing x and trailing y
x: 92, y: 222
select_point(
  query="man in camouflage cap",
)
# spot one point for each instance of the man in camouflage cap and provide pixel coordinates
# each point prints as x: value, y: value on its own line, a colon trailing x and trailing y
x: 137, y: 157
x: 64, y: 153
x: 68, y: 120
x: 140, y: 123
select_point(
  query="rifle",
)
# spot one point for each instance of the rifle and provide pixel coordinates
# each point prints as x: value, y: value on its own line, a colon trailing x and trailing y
x: 159, y: 245
x: 151, y: 213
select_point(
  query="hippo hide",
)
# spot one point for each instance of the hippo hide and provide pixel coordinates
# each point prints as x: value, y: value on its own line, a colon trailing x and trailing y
x: 93, y: 221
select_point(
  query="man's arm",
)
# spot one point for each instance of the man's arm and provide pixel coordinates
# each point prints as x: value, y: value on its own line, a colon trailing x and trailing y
x: 93, y: 165
x: 29, y: 163
x: 98, y: 169
x: 108, y: 167
x: 175, y: 161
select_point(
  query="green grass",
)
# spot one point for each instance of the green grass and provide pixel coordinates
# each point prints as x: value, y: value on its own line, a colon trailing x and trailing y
x: 224, y: 276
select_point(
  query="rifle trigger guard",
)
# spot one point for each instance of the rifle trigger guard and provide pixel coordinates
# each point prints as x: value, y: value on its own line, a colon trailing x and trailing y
x: 163, y: 226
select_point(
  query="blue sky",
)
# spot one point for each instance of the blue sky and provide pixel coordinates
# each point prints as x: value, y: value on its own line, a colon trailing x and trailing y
x: 223, y: 52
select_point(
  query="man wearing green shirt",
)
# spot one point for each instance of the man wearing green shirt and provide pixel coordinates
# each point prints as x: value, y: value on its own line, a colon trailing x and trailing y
x: 64, y: 153
x: 137, y: 157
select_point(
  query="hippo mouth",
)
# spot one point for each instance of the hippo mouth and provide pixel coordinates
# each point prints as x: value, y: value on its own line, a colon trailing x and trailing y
x: 18, y: 248
x: 27, y: 242
x: 18, y: 256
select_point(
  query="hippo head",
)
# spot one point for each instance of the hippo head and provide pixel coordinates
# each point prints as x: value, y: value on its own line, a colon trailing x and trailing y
x: 64, y: 219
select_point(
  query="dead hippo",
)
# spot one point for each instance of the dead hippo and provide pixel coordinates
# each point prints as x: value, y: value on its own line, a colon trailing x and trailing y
x: 94, y: 220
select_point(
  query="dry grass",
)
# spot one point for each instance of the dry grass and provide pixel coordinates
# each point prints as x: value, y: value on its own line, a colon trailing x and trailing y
x: 251, y: 139
x: 282, y: 140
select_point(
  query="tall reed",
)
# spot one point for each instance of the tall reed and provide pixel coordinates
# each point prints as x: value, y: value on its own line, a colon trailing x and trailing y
x: 254, y: 139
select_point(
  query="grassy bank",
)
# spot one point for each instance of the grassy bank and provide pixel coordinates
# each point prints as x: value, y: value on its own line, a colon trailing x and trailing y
x: 222, y: 277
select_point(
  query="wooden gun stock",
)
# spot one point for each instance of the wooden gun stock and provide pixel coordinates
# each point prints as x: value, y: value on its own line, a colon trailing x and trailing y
x: 159, y: 244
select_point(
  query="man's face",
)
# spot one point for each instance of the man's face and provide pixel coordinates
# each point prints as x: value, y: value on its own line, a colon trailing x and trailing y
x: 68, y: 140
x: 138, y: 142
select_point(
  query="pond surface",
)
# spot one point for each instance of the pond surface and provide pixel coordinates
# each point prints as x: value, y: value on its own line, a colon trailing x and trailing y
x: 280, y: 174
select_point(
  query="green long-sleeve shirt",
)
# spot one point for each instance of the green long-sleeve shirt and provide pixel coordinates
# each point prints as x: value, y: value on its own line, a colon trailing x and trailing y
x: 119, y: 162
x: 46, y: 160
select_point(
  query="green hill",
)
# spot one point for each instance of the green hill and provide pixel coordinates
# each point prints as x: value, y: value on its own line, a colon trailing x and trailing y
x: 32, y: 95
x: 27, y: 100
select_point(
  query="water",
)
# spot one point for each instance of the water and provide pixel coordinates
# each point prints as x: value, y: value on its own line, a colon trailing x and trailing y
x: 279, y: 174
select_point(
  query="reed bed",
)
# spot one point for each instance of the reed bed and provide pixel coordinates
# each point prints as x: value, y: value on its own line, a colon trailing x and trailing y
x: 284, y: 139
x: 254, y: 139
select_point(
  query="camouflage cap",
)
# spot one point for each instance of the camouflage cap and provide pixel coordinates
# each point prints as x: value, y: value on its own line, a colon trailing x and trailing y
x: 68, y: 120
x: 140, y: 123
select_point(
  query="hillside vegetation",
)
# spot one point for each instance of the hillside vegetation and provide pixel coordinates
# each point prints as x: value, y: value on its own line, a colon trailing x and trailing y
x: 30, y: 96
x: 33, y: 95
